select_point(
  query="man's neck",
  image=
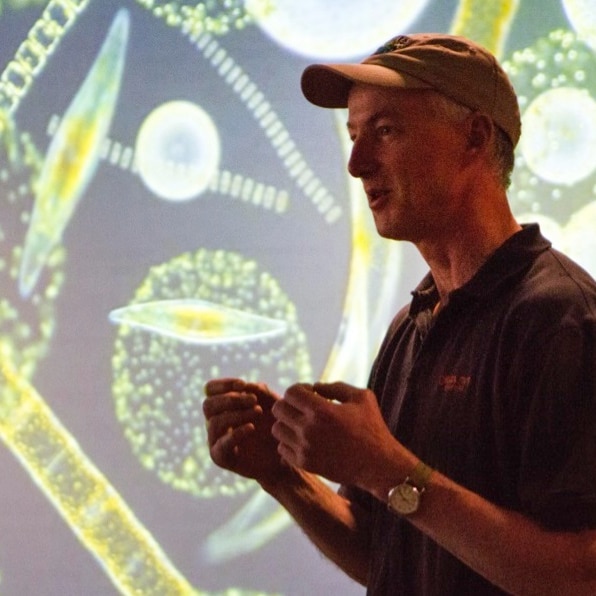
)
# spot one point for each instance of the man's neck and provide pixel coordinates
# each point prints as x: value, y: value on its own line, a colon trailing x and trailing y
x: 455, y: 260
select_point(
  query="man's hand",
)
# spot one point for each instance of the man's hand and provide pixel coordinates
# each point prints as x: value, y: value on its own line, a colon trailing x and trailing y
x: 334, y: 430
x: 239, y: 422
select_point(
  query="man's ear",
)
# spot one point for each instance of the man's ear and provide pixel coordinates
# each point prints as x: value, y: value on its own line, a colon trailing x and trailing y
x: 480, y: 130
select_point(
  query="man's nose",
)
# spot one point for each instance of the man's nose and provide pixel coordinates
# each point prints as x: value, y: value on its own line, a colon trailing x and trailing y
x: 361, y: 162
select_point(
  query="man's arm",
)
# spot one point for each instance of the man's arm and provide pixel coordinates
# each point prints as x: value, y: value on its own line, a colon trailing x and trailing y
x: 340, y: 529
x: 507, y: 548
x: 239, y: 422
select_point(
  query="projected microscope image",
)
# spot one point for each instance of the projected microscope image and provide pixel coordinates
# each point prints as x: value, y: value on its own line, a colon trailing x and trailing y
x: 172, y: 211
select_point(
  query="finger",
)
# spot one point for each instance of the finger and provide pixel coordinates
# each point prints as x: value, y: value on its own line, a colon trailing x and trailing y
x: 217, y: 404
x: 262, y: 392
x: 302, y: 397
x: 337, y: 391
x: 284, y: 433
x: 220, y: 425
x: 225, y: 450
x: 287, y: 414
x: 224, y: 385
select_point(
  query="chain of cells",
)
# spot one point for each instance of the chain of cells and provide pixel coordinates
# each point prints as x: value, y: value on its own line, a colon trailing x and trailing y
x: 82, y: 495
x: 32, y: 55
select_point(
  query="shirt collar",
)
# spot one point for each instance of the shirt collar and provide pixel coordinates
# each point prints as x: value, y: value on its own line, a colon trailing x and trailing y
x: 505, y: 264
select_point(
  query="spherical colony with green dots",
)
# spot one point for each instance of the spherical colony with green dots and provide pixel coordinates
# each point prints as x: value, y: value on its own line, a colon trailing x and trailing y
x: 555, y: 65
x: 158, y: 380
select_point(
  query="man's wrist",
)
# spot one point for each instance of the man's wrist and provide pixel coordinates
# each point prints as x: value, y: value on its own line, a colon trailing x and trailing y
x: 283, y: 479
x: 405, y: 497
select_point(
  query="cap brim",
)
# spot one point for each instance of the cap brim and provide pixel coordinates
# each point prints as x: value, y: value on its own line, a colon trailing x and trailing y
x: 328, y: 85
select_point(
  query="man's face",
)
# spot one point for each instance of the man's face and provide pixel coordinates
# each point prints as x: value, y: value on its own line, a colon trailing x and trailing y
x: 409, y: 158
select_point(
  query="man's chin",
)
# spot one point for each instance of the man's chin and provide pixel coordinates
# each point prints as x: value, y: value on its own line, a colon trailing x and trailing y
x: 388, y: 232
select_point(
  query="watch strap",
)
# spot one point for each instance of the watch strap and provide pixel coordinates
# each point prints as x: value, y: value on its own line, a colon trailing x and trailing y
x: 419, y: 476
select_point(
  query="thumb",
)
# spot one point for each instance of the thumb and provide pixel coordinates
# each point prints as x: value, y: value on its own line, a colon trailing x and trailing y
x: 338, y: 391
x: 263, y: 393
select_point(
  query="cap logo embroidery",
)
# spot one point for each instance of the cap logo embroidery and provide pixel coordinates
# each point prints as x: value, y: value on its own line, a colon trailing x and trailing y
x: 397, y: 43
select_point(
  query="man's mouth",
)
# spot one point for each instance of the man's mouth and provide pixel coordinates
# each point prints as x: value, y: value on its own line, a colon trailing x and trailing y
x: 375, y: 196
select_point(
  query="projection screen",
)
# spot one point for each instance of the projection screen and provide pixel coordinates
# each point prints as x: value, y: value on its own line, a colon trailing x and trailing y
x: 172, y: 210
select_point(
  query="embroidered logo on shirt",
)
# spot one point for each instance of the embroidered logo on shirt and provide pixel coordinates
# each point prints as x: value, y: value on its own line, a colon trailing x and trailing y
x: 454, y: 384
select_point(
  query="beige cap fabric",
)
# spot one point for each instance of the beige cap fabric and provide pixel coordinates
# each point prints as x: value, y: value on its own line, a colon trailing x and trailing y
x: 453, y: 65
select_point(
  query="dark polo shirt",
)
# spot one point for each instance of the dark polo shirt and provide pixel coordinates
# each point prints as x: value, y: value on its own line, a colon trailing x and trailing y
x: 498, y: 392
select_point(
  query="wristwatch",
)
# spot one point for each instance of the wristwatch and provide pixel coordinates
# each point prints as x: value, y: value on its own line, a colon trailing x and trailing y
x: 404, y: 499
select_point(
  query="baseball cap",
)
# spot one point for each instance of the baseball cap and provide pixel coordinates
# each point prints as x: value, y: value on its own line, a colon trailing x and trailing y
x: 450, y: 64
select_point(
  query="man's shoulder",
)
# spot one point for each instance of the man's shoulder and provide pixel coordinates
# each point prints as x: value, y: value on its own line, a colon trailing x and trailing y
x: 554, y: 294
x: 556, y: 278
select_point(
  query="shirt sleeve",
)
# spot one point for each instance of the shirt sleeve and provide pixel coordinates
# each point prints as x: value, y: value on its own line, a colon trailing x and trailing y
x: 557, y: 439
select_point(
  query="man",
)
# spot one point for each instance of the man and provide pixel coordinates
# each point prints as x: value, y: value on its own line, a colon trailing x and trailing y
x: 468, y: 465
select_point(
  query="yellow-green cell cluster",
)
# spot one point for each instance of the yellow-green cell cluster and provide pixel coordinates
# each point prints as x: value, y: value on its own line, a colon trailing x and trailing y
x: 555, y: 172
x: 159, y: 375
x: 26, y: 325
x: 213, y: 16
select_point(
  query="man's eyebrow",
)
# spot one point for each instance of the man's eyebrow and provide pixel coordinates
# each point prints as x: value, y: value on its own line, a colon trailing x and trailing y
x: 376, y: 116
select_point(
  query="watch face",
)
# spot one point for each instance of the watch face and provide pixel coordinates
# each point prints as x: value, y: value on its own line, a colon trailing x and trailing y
x: 404, y: 499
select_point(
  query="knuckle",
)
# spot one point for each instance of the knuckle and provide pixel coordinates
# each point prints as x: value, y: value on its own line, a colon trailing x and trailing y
x: 207, y: 407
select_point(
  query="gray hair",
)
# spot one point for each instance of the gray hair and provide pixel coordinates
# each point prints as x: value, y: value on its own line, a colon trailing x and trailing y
x: 502, y: 150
